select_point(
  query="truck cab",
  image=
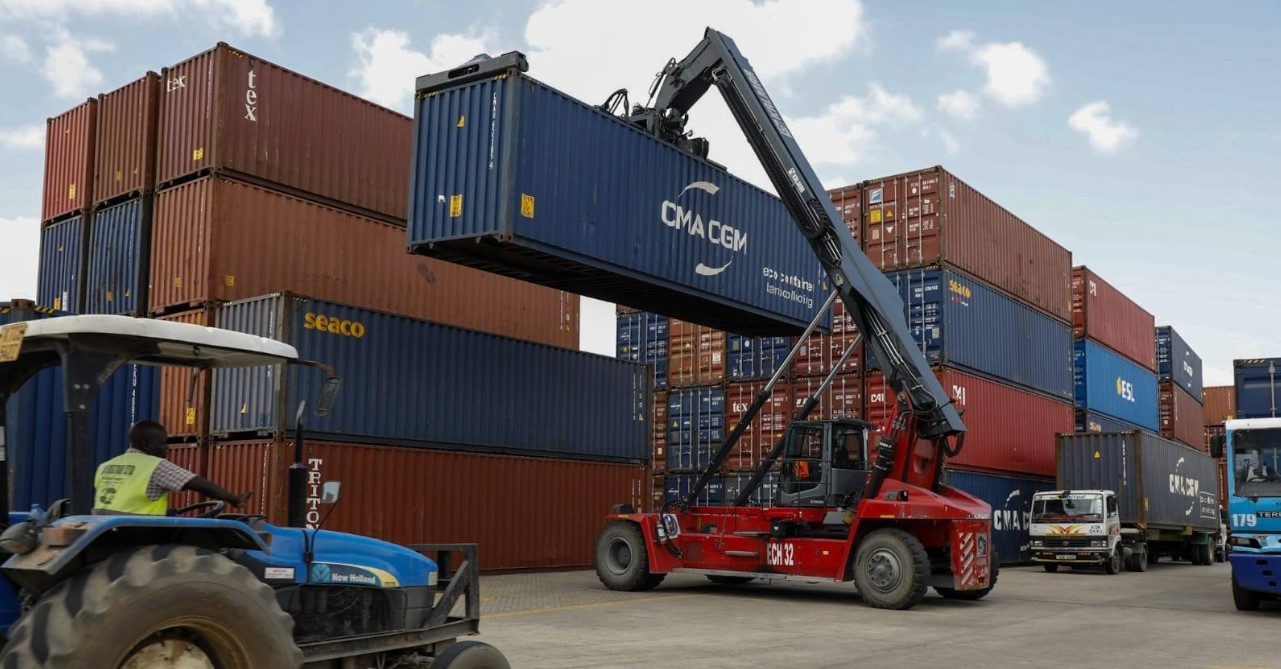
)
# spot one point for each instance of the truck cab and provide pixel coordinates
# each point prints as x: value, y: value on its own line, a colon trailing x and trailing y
x: 1252, y: 448
x: 1077, y: 528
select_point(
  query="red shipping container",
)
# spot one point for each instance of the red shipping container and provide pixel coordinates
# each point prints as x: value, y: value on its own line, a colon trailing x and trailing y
x: 1104, y: 314
x: 765, y: 430
x: 814, y: 358
x: 847, y: 397
x: 68, y: 162
x: 802, y: 388
x: 695, y: 354
x: 844, y: 333
x: 524, y: 512
x: 659, y: 430
x: 217, y: 239
x: 1223, y: 483
x: 930, y: 217
x: 230, y: 111
x: 1220, y: 404
x: 1181, y: 416
x: 125, y: 156
x: 190, y: 457
x: 186, y: 423
x: 849, y: 204
x: 1007, y: 429
x: 1211, y: 431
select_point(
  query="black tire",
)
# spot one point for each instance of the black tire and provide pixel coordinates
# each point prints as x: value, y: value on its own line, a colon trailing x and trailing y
x: 199, y: 601
x: 891, y: 569
x: 1206, y: 555
x: 1139, y: 560
x: 1153, y: 558
x: 622, y: 561
x: 973, y: 595
x: 730, y: 580
x: 1244, y: 600
x: 1113, y: 564
x: 470, y: 655
x: 1050, y: 567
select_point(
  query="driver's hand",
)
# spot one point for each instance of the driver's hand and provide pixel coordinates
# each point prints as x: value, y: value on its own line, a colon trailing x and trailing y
x: 242, y: 498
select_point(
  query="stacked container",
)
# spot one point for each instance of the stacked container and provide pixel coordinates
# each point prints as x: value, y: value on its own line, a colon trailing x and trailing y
x: 1180, y: 409
x: 1257, y: 387
x: 1115, y: 368
x: 1219, y: 406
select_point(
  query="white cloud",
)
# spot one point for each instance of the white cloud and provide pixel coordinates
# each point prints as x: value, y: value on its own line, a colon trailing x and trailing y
x: 1106, y: 135
x: 950, y: 144
x: 388, y: 64
x: 957, y: 40
x: 22, y: 257
x: 252, y: 18
x: 25, y: 137
x: 68, y: 68
x: 959, y: 104
x: 247, y: 17
x: 15, y: 48
x: 1016, y: 75
x: 846, y: 131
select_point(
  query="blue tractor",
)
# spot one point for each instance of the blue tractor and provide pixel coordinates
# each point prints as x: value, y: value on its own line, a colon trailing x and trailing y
x: 213, y: 590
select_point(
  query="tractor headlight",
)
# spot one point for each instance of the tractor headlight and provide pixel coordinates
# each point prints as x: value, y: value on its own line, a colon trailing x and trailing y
x: 1099, y: 543
x: 1037, y: 543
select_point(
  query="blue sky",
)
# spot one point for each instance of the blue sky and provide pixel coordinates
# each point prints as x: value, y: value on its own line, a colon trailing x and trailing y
x: 1140, y: 135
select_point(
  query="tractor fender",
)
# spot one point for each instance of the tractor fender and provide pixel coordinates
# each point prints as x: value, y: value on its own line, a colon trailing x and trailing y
x: 75, y: 542
x: 660, y: 561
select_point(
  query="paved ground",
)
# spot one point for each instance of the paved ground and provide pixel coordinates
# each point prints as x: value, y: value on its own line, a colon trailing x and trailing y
x: 1173, y: 616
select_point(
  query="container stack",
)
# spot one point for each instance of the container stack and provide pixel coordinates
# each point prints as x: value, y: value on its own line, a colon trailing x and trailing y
x: 1219, y: 404
x: 1257, y: 387
x: 1180, y: 410
x: 1114, y: 358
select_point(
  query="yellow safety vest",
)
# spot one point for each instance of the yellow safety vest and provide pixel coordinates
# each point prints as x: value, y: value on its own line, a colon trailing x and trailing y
x: 121, y: 485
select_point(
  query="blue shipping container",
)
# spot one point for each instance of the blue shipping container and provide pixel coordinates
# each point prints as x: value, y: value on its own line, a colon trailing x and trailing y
x: 678, y: 486
x: 753, y: 358
x: 1258, y: 387
x: 957, y: 320
x: 642, y: 337
x: 119, y: 245
x: 1112, y: 385
x: 1177, y: 362
x: 1093, y: 421
x: 517, y: 178
x: 695, y: 427
x: 412, y: 382
x: 58, y: 285
x: 1011, y: 501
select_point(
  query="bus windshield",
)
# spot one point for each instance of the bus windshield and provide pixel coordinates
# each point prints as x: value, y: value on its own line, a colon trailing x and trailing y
x: 1256, y: 460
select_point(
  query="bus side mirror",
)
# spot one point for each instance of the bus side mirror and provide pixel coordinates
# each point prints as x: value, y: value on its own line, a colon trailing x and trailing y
x: 1216, y: 446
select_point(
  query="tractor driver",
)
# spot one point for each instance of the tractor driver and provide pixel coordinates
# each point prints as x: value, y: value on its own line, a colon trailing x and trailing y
x: 138, y: 481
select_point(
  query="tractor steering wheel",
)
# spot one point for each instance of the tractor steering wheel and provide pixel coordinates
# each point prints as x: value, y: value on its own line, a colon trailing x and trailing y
x: 216, y: 504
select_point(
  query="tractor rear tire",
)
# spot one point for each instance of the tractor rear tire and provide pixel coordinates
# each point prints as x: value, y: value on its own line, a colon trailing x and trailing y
x: 470, y: 655
x: 622, y: 559
x: 891, y: 569
x: 1050, y: 567
x: 973, y: 595
x: 730, y: 580
x: 154, y: 602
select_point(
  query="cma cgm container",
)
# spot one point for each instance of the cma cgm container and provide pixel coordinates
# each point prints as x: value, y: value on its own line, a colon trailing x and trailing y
x: 1007, y: 429
x: 1181, y: 416
x: 59, y: 284
x: 1110, y: 384
x: 695, y: 354
x: 524, y: 512
x: 957, y: 320
x: 930, y: 217
x: 1093, y: 421
x: 642, y: 337
x: 125, y: 153
x: 518, y: 178
x: 1104, y: 314
x: 216, y: 239
x: 1177, y: 362
x: 412, y: 382
x: 1258, y: 387
x: 119, y: 250
x: 695, y: 426
x: 68, y: 162
x: 229, y: 111
x: 1220, y: 404
x: 1011, y: 501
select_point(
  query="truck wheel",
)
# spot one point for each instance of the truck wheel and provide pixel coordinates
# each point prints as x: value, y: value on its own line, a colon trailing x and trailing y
x: 176, y: 604
x: 1113, y: 565
x: 1245, y: 600
x: 470, y: 655
x: 973, y: 595
x: 622, y: 561
x: 730, y: 580
x: 891, y: 569
x: 1139, y: 560
x: 1050, y: 567
x: 1203, y: 552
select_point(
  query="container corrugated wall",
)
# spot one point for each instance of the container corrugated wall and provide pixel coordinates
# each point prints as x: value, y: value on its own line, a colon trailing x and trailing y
x: 190, y: 457
x: 695, y: 354
x: 1011, y: 500
x: 695, y: 427
x: 125, y: 156
x: 929, y: 217
x: 1159, y: 483
x: 519, y: 178
x: 642, y: 337
x: 1220, y: 404
x: 751, y: 358
x: 62, y: 258
x: 202, y: 229
x: 231, y: 111
x: 1181, y: 417
x: 766, y: 429
x: 957, y: 320
x: 1007, y: 429
x: 1110, y: 384
x: 523, y: 512
x: 1104, y: 314
x: 1093, y: 421
x: 68, y: 162
x: 185, y: 422
x: 415, y: 382
x: 1177, y: 362
x: 119, y: 246
x: 1257, y: 387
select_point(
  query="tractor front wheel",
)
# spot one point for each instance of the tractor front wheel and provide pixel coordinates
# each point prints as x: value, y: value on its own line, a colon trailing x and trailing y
x: 891, y: 569
x: 622, y: 559
x: 153, y: 605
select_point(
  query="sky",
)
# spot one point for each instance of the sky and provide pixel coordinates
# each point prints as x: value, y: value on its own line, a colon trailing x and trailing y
x: 1142, y: 135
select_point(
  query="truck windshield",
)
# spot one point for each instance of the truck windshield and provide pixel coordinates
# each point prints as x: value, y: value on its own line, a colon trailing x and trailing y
x: 1073, y: 508
x: 1256, y: 459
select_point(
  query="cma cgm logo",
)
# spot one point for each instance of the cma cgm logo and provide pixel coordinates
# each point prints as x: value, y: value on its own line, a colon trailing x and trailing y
x: 1124, y: 389
x: 681, y: 218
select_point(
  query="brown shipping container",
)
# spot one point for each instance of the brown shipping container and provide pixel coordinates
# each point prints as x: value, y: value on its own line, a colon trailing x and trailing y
x: 1007, y: 429
x: 930, y: 217
x: 849, y: 204
x: 847, y: 400
x: 843, y: 334
x: 658, y: 429
x: 1181, y: 416
x: 125, y: 157
x: 1104, y: 314
x: 217, y: 239
x: 227, y: 110
x: 524, y: 512
x: 186, y: 423
x: 190, y: 457
x: 695, y: 354
x: 821, y: 351
x: 764, y: 430
x: 802, y: 388
x: 1220, y: 404
x: 68, y: 162
x: 1223, y: 482
x: 1211, y: 431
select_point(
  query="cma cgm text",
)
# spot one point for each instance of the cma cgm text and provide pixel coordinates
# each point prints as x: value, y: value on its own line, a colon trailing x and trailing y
x: 722, y: 234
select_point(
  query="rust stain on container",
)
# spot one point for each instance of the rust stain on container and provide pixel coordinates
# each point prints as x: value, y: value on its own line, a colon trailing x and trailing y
x: 1181, y: 416
x: 228, y: 110
x: 217, y: 239
x: 185, y: 422
x: 125, y: 157
x: 695, y: 354
x: 1220, y: 404
x: 1103, y: 313
x: 68, y: 161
